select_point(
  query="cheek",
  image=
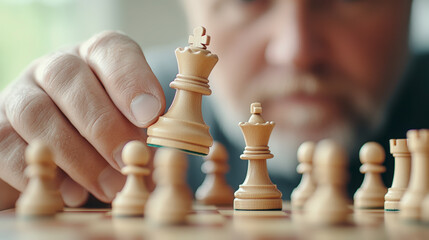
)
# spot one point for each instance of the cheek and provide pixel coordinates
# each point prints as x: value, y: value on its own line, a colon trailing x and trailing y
x: 370, y: 53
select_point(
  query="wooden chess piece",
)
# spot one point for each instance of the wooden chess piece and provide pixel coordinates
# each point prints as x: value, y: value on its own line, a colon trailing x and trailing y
x: 132, y: 199
x: 411, y: 202
x: 257, y: 192
x: 425, y: 209
x: 171, y: 201
x: 401, y: 176
x: 307, y: 186
x: 41, y: 197
x: 183, y: 127
x: 371, y: 192
x: 215, y: 190
x: 329, y: 205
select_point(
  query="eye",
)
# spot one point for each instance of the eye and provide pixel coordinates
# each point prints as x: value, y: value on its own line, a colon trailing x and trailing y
x: 255, y: 5
x: 253, y: 1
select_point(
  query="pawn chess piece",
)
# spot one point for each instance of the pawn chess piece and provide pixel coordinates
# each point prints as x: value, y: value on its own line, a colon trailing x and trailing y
x: 307, y: 186
x: 183, y: 127
x: 401, y: 176
x: 132, y: 199
x: 411, y: 202
x: 371, y: 193
x: 40, y: 198
x: 257, y: 192
x: 171, y: 201
x: 425, y: 209
x: 215, y: 190
x: 328, y: 205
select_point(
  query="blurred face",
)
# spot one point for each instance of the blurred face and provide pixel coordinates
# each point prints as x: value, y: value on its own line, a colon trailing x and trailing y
x: 320, y: 68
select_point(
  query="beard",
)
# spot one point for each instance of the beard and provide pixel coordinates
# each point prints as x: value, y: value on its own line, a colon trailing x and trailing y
x: 305, y: 107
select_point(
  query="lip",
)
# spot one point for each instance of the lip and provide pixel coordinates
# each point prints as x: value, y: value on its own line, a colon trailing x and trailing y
x: 303, y: 100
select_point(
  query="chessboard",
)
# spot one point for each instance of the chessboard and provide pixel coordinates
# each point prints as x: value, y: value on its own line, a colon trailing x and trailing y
x: 209, y: 222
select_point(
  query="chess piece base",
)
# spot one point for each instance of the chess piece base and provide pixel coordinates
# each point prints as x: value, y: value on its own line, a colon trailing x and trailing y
x: 300, y: 195
x: 36, y: 206
x: 191, y: 137
x: 169, y: 206
x: 369, y: 198
x: 425, y: 209
x: 257, y: 204
x: 298, y: 202
x: 410, y: 206
x: 129, y: 206
x: 328, y: 218
x: 217, y: 200
x: 391, y: 206
x: 324, y: 214
x: 410, y: 214
x: 392, y: 199
x: 212, y: 195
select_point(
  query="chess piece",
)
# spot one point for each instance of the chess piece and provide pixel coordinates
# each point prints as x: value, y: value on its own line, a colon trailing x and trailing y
x: 257, y: 192
x: 215, y: 190
x: 307, y: 186
x: 171, y: 201
x: 411, y: 202
x: 41, y: 197
x: 425, y: 209
x: 328, y: 205
x: 371, y: 192
x: 183, y: 127
x: 401, y: 176
x: 132, y: 199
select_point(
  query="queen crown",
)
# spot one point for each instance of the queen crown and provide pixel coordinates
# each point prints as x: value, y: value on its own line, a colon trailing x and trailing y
x: 256, y: 134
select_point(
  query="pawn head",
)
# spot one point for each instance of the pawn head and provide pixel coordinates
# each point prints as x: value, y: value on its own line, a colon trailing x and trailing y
x: 135, y: 153
x: 217, y: 153
x: 372, y: 152
x: 329, y: 152
x: 170, y: 157
x: 306, y: 152
x: 38, y: 152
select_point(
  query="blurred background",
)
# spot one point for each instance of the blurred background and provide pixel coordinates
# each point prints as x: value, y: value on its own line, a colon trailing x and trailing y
x: 32, y: 28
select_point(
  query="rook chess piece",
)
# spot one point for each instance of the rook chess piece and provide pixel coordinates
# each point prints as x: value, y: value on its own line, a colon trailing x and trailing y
x: 401, y: 176
x: 215, y: 190
x: 132, y: 199
x: 183, y: 127
x: 171, y: 201
x: 328, y: 205
x: 411, y: 202
x: 307, y: 185
x: 371, y: 192
x: 40, y: 198
x: 257, y: 192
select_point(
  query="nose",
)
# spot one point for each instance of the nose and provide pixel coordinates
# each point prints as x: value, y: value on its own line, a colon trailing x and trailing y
x: 296, y: 41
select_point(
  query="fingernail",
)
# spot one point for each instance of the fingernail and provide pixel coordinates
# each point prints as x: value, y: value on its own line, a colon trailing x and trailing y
x: 111, y: 182
x: 145, y: 108
x: 73, y: 194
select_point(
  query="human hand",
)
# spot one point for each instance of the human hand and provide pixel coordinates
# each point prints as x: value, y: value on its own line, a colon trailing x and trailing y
x: 86, y: 104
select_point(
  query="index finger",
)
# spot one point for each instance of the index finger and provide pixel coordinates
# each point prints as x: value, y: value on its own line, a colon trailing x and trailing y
x: 121, y: 67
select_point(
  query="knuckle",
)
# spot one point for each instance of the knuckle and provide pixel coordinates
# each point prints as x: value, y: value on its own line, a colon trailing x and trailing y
x: 27, y: 108
x: 11, y: 149
x: 58, y: 69
x: 102, y: 124
x: 104, y: 42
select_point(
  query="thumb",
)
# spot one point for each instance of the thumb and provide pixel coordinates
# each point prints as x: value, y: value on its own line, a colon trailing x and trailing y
x: 121, y: 67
